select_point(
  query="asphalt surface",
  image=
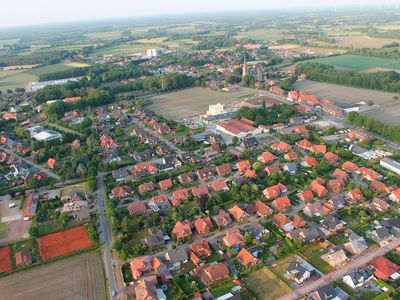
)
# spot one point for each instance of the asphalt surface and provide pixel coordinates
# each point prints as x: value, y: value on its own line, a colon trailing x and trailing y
x: 105, y: 236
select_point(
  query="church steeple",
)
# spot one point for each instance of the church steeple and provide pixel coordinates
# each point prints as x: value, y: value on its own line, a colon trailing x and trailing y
x: 244, y: 71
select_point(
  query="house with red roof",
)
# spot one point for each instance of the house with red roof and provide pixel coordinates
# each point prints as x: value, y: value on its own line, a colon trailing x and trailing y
x: 238, y: 128
x: 137, y: 208
x: 223, y: 170
x: 145, y: 168
x: 140, y: 266
x: 199, y: 251
x: 182, y: 230
x: 318, y: 188
x: 52, y: 163
x: 283, y: 222
x: 301, y: 130
x: 275, y: 191
x: 211, y: 273
x: 263, y: 209
x: 304, y: 144
x: 309, y: 162
x: 281, y: 203
x: 354, y: 196
x: 281, y: 147
x: 178, y: 196
x: 22, y: 258
x: 340, y: 174
x: 30, y: 205
x: 306, y: 195
x: 121, y: 192
x: 222, y: 219
x: 395, y: 195
x: 379, y: 187
x: 205, y: 173
x: 233, y: 238
x: 251, y: 174
x: 200, y: 191
x: 219, y: 185
x: 318, y: 149
x: 243, y: 166
x: 335, y: 185
x: 72, y: 99
x: 349, y: 167
x: 165, y: 184
x: 185, y: 178
x: 385, y: 269
x: 332, y: 158
x: 266, y: 157
x: 245, y: 258
x: 107, y: 142
x: 145, y: 188
x: 290, y: 156
x: 272, y: 169
x: 203, y: 225
x: 238, y: 214
x: 369, y: 174
x: 76, y: 144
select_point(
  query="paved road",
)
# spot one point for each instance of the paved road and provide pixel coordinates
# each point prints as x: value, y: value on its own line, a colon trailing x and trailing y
x: 351, y: 266
x: 159, y: 136
x: 105, y: 235
x: 32, y: 163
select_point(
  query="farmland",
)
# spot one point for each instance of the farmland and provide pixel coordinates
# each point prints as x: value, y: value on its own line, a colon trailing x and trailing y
x: 262, y: 34
x: 362, y: 41
x: 343, y: 95
x: 358, y: 63
x: 12, y: 79
x: 78, y: 277
x: 265, y: 285
x: 388, y: 115
x: 193, y: 101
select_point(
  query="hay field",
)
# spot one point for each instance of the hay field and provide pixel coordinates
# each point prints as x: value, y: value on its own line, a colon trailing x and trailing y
x: 358, y: 63
x: 194, y: 101
x: 265, y: 285
x: 79, y: 277
x: 343, y: 95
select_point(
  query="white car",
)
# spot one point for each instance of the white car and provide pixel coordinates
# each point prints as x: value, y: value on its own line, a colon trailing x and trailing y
x: 12, y: 205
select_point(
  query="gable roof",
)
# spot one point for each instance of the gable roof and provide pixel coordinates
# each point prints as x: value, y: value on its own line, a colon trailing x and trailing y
x: 245, y: 258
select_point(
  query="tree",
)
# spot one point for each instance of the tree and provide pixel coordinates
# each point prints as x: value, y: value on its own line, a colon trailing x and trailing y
x: 33, y: 231
x: 370, y: 102
x: 235, y: 140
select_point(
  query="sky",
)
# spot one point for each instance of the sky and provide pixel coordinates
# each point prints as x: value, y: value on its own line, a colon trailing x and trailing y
x: 26, y: 12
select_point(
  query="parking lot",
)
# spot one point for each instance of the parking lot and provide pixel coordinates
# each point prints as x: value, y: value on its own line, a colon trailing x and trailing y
x: 8, y: 213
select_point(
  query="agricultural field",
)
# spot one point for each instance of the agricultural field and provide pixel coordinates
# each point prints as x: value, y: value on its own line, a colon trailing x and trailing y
x: 263, y: 284
x: 388, y: 115
x: 7, y: 42
x: 194, y: 101
x: 124, y: 49
x: 11, y: 79
x: 79, y: 277
x: 362, y: 41
x: 265, y: 34
x: 343, y: 95
x: 359, y: 63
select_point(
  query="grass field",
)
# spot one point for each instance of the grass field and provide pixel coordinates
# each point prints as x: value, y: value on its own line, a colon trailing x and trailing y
x: 387, y: 115
x: 3, y: 230
x: 343, y: 95
x: 194, y: 101
x: 12, y: 79
x: 362, y: 41
x: 265, y: 34
x: 79, y: 277
x: 124, y: 49
x: 265, y: 285
x: 359, y: 63
x: 313, y: 255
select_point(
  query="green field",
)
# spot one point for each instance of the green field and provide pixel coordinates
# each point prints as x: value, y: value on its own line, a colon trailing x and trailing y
x: 124, y: 49
x: 264, y: 34
x: 265, y: 285
x: 18, y: 78
x: 3, y: 230
x: 359, y: 63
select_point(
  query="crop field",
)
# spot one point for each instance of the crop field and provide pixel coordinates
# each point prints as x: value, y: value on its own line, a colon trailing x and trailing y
x: 264, y: 34
x: 358, y: 63
x: 63, y: 242
x: 388, y: 115
x: 363, y: 41
x: 194, y: 101
x: 49, y: 69
x: 79, y: 277
x: 343, y: 95
x: 124, y: 49
x: 265, y: 285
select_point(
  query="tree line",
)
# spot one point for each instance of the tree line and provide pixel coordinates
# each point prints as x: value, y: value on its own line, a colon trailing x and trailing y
x: 388, y: 131
x: 279, y: 113
x: 385, y: 81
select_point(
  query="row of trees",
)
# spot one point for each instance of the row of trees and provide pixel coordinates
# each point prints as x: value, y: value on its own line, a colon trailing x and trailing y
x: 387, y: 52
x: 388, y: 131
x: 386, y: 81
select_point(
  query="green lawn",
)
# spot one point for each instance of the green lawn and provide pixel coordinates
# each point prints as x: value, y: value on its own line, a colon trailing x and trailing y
x: 3, y: 230
x: 49, y: 69
x: 359, y: 63
x: 263, y: 284
x: 223, y: 287
x: 313, y: 255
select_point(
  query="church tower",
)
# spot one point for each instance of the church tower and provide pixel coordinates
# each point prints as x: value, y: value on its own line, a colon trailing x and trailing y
x: 244, y: 71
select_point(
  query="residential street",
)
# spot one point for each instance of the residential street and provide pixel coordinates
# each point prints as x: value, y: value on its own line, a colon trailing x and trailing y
x: 105, y: 236
x: 32, y: 163
x: 353, y: 265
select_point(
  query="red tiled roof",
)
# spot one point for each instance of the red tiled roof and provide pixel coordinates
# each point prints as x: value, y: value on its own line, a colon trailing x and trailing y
x: 281, y: 203
x: 246, y: 259
x: 243, y: 165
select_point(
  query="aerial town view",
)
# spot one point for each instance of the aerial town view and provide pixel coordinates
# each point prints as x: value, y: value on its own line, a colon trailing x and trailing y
x: 200, y: 149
